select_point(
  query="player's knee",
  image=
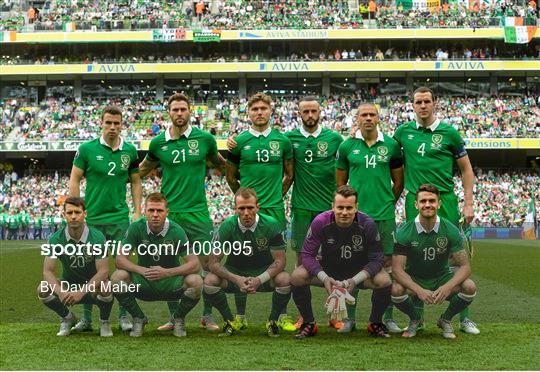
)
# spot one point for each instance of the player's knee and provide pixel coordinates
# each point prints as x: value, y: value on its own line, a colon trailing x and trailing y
x: 194, y: 281
x: 381, y: 279
x: 299, y: 277
x: 43, y: 290
x: 468, y: 287
x: 398, y: 290
x: 212, y: 279
x: 282, y: 279
x: 104, y: 288
x: 120, y: 276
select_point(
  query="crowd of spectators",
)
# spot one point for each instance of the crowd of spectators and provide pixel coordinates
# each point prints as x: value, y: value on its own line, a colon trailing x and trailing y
x: 69, y: 119
x: 263, y: 14
x: 501, y: 199
x: 360, y: 54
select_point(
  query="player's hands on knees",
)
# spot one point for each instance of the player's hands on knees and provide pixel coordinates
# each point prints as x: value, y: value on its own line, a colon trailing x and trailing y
x: 441, y: 294
x: 242, y: 283
x: 253, y: 284
x: 329, y: 283
x: 156, y: 273
x: 231, y: 143
x: 426, y: 296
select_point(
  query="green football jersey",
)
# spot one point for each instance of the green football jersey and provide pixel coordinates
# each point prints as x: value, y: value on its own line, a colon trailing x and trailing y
x: 25, y: 219
x: 259, y: 157
x: 78, y: 268
x: 370, y: 173
x: 314, y: 168
x: 107, y: 174
x: 429, y: 154
x: 183, y: 162
x: 163, y: 249
x: 428, y: 253
x: 3, y: 218
x: 265, y: 236
x: 13, y: 221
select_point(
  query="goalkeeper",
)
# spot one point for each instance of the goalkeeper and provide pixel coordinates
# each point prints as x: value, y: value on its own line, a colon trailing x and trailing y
x: 351, y: 255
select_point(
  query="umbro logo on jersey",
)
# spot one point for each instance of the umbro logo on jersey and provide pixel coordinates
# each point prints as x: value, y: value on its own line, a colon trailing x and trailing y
x: 99, y: 157
x: 296, y: 145
x: 331, y: 241
x: 410, y: 136
x: 247, y: 147
x: 415, y: 244
x: 356, y: 152
x: 164, y: 148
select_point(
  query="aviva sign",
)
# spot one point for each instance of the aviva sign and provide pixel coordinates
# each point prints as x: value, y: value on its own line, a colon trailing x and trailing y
x: 111, y: 68
x: 460, y: 66
x: 284, y: 66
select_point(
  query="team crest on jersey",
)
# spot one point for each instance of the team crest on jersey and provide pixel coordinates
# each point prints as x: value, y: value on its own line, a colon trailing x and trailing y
x: 262, y: 243
x: 382, y: 150
x: 193, y: 147
x: 442, y: 242
x: 357, y: 242
x: 323, y: 149
x: 125, y: 159
x: 436, y: 138
x: 274, y: 148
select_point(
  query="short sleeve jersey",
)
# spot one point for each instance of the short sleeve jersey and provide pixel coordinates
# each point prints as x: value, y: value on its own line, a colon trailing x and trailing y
x: 183, y: 162
x: 314, y: 168
x: 430, y: 155
x: 260, y: 163
x: 428, y: 253
x: 13, y: 221
x: 370, y: 173
x: 107, y: 174
x: 163, y: 249
x: 266, y: 238
x: 78, y: 268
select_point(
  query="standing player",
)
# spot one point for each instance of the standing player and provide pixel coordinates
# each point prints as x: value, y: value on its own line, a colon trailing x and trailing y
x: 351, y: 253
x: 182, y: 152
x: 263, y: 160
x: 372, y: 163
x: 89, y: 274
x: 255, y: 263
x: 420, y: 265
x: 108, y: 163
x: 158, y: 274
x: 430, y: 148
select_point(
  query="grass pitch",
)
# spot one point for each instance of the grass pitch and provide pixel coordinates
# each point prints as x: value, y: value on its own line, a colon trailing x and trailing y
x: 507, y: 309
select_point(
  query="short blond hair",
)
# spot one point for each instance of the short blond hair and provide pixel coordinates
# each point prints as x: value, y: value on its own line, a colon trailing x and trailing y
x: 257, y: 97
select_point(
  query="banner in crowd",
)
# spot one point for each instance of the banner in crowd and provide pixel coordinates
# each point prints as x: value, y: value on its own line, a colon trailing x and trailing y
x: 529, y: 225
x: 206, y: 36
x: 168, y: 34
x: 56, y: 145
x: 519, y: 34
x: 419, y: 4
x: 69, y: 27
x: 8, y: 36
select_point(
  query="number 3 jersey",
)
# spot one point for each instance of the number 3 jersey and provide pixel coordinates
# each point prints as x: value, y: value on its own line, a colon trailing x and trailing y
x: 259, y: 157
x: 428, y: 252
x: 344, y: 251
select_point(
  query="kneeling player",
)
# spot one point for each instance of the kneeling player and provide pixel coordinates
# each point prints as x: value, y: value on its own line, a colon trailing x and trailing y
x: 351, y: 255
x: 420, y: 264
x: 256, y: 267
x: 85, y: 278
x: 158, y: 274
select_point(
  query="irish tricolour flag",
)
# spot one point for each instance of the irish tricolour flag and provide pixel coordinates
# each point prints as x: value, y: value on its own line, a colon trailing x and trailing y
x: 515, y: 32
x: 7, y: 36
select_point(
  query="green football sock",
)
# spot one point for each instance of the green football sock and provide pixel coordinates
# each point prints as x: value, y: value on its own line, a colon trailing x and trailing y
x: 457, y: 304
x: 173, y: 306
x: 279, y: 303
x: 128, y: 302
x: 219, y: 301
x: 351, y: 309
x: 87, y: 312
x: 419, y: 307
x: 54, y: 303
x: 105, y: 306
x: 122, y: 312
x: 240, y: 300
x: 389, y: 312
x: 187, y: 303
x: 463, y: 314
x: 406, y: 306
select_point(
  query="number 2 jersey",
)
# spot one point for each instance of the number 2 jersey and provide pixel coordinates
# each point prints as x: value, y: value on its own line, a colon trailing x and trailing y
x: 344, y: 251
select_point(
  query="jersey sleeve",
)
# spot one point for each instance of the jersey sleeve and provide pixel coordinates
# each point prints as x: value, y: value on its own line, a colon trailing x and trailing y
x: 212, y: 145
x: 287, y: 148
x: 131, y: 236
x: 457, y: 145
x: 398, y: 134
x: 396, y: 160
x: 276, y: 243
x: 341, y: 159
x: 100, y: 240
x: 308, y: 255
x: 134, y: 165
x: 233, y: 156
x: 81, y: 158
x: 374, y: 249
x: 455, y: 239
x: 152, y: 151
x: 181, y: 239
x: 401, y: 245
